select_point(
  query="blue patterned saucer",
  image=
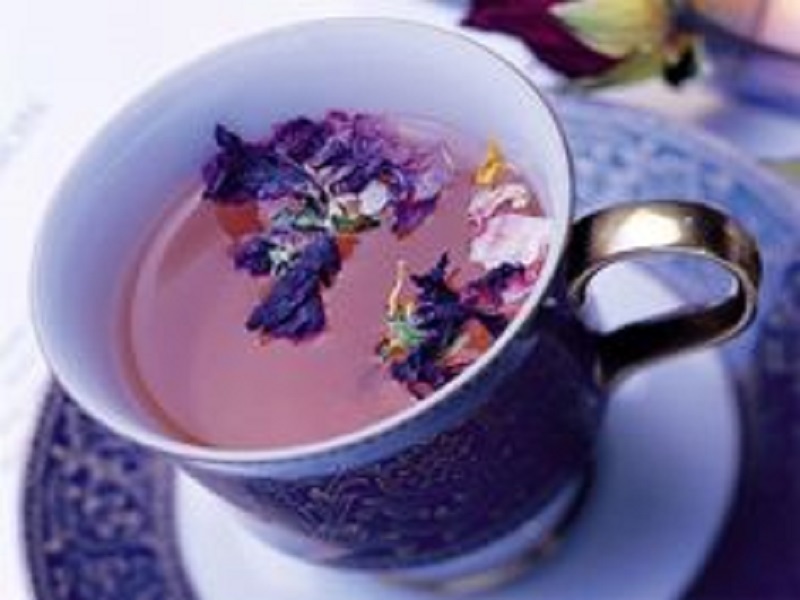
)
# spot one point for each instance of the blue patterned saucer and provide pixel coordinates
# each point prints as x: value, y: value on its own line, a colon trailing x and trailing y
x: 100, y: 517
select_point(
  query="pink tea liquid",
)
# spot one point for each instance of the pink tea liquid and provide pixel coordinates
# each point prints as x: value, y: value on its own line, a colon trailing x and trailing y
x: 211, y: 382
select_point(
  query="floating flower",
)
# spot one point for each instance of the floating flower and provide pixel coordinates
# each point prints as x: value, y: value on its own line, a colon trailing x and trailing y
x: 430, y: 171
x: 421, y: 372
x: 596, y: 42
x: 410, y: 214
x: 511, y: 238
x: 487, y: 292
x: 488, y: 202
x: 428, y: 340
x: 374, y: 198
x: 255, y: 256
x: 402, y: 334
x: 242, y: 171
x: 300, y: 139
x: 475, y: 339
x: 293, y: 308
x: 264, y: 254
x: 329, y: 179
x: 354, y: 223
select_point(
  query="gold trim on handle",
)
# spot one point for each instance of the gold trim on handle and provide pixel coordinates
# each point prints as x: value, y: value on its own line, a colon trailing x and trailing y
x: 635, y: 229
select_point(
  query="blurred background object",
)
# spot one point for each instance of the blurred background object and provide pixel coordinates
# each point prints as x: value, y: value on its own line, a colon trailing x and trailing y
x: 752, y: 46
x: 596, y: 42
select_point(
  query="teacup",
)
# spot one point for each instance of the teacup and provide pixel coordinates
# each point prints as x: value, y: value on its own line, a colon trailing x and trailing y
x: 470, y: 480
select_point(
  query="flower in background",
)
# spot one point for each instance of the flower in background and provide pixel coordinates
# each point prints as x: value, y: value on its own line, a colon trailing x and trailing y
x: 596, y: 42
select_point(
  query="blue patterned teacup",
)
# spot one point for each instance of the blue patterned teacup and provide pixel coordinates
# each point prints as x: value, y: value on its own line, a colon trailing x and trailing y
x: 483, y: 470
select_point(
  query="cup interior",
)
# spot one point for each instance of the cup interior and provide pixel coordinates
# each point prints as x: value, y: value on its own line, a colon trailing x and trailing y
x: 154, y: 148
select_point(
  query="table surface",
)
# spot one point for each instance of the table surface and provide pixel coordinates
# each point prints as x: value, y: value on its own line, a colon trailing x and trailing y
x: 66, y: 67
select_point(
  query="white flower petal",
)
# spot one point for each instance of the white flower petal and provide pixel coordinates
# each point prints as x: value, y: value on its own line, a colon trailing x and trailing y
x: 486, y: 201
x: 511, y: 238
x: 373, y: 198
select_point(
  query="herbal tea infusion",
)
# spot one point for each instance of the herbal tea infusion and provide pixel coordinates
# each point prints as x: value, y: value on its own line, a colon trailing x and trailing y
x: 326, y: 277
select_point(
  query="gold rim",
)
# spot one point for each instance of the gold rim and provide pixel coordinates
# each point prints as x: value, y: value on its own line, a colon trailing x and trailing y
x: 636, y: 229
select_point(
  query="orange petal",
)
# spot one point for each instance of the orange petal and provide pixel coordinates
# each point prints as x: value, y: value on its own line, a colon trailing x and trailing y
x: 346, y: 243
x: 238, y: 220
x: 473, y: 342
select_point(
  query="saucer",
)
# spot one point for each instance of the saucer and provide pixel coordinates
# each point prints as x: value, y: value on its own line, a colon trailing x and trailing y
x: 104, y: 519
x: 665, y: 475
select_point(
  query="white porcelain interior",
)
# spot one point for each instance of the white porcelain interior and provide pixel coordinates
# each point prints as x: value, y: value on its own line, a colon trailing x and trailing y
x: 154, y: 148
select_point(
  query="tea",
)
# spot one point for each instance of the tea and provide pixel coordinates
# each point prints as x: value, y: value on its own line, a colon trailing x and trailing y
x: 326, y: 277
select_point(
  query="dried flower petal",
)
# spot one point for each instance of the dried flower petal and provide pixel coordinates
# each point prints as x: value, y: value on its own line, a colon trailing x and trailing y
x: 511, y: 238
x: 493, y: 166
x: 238, y: 220
x: 433, y: 286
x: 425, y: 338
x: 421, y: 372
x: 293, y: 308
x: 242, y: 171
x: 398, y: 183
x: 294, y: 317
x: 321, y: 259
x: 487, y: 291
x: 486, y: 203
x: 375, y: 197
x: 345, y: 223
x: 474, y: 340
x: 346, y: 242
x: 300, y: 139
x: 431, y: 172
x: 255, y: 256
x: 410, y: 214
x: 357, y: 151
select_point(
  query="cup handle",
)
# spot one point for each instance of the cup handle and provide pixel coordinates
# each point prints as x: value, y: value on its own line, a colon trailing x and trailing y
x: 634, y: 229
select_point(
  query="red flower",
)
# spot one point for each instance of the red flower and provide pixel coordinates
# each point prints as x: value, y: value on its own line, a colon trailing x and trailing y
x: 596, y: 42
x: 543, y: 32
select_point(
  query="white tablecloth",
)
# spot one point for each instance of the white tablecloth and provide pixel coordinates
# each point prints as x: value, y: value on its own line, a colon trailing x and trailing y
x: 65, y: 67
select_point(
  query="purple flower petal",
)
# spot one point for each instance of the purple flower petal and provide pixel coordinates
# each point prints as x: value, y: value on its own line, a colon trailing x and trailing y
x: 300, y: 139
x: 421, y: 373
x: 410, y: 214
x: 415, y: 188
x: 359, y: 176
x: 294, y: 320
x: 442, y: 315
x: 293, y: 309
x: 432, y: 171
x: 487, y: 291
x: 433, y: 287
x: 321, y: 259
x: 335, y: 154
x: 369, y: 139
x: 254, y: 256
x: 397, y: 181
x: 372, y: 137
x: 494, y: 323
x: 243, y: 171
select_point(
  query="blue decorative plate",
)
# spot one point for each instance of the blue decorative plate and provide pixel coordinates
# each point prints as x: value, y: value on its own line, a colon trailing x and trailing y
x: 98, y: 510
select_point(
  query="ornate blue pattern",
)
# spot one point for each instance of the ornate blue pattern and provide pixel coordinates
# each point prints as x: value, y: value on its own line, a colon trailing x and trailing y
x: 98, y: 510
x: 441, y: 496
x: 98, y: 514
